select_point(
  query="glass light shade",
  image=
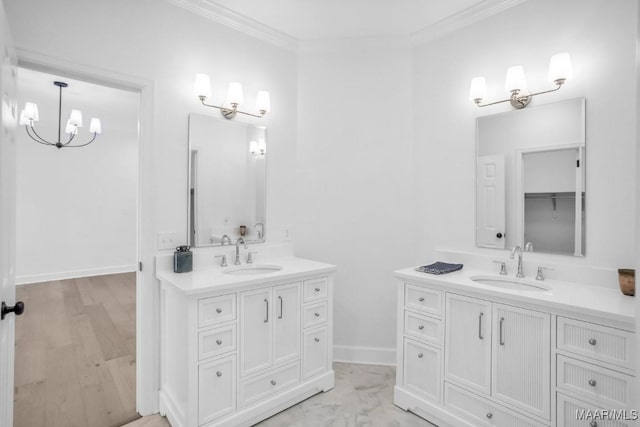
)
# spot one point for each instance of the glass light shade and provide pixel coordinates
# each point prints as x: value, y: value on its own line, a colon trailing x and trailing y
x: 70, y: 129
x: 23, y: 119
x: 262, y: 147
x: 560, y: 67
x: 95, y: 126
x: 478, y: 89
x: 202, y: 86
x: 31, y: 111
x: 235, y: 93
x: 515, y: 79
x: 263, y: 102
x: 253, y: 147
x: 76, y: 118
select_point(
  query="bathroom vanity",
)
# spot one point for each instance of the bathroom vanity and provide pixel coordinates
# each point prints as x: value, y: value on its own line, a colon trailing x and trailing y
x: 478, y: 350
x: 241, y: 343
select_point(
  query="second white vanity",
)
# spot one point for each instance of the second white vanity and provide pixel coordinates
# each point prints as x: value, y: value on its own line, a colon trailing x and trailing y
x: 489, y: 354
x: 239, y: 344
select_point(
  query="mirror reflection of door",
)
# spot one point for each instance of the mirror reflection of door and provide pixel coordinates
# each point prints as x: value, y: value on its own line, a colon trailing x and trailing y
x: 490, y: 181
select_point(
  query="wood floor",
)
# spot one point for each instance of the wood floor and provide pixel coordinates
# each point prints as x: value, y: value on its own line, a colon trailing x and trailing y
x: 76, y: 353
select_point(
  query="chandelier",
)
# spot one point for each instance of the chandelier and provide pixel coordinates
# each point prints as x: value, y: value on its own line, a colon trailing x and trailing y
x: 30, y: 115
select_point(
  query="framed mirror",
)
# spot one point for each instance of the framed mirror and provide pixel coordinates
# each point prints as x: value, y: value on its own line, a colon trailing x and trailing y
x: 530, y: 179
x: 227, y: 174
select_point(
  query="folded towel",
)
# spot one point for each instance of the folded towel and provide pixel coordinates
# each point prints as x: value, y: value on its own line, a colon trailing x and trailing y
x: 439, y: 268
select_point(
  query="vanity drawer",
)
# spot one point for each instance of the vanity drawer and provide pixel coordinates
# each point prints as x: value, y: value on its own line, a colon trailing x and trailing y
x: 569, y: 410
x: 602, y: 343
x: 482, y: 412
x: 423, y: 299
x: 256, y: 388
x: 315, y: 289
x: 423, y: 328
x: 422, y: 369
x: 593, y: 382
x: 216, y: 389
x: 216, y: 310
x: 315, y: 360
x: 315, y: 314
x: 214, y: 342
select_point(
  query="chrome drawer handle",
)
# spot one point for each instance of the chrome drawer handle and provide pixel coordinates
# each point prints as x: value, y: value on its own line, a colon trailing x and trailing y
x: 420, y: 355
x: 219, y: 373
x: 501, y: 332
x: 480, y: 326
x: 317, y: 314
x: 219, y: 342
x: 421, y: 299
x: 421, y: 327
x: 266, y: 311
x: 317, y: 289
x: 273, y: 382
x: 218, y: 310
x: 592, y: 341
x: 592, y: 383
x: 489, y: 415
x: 317, y: 339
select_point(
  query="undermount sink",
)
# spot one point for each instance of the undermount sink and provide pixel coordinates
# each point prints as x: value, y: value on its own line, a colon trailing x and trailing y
x: 513, y: 283
x: 250, y: 270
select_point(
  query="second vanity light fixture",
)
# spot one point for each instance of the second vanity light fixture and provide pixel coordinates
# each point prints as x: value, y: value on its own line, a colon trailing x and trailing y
x: 202, y: 89
x: 559, y: 72
x: 258, y: 148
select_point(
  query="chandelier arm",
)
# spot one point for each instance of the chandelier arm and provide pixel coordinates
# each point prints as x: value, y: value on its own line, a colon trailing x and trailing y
x: 83, y: 145
x: 73, y: 135
x: 37, y: 138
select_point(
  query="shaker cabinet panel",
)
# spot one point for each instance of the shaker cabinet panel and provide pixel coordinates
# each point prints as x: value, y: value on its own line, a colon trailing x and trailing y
x: 256, y: 331
x: 215, y: 310
x: 468, y: 342
x: 286, y: 318
x: 422, y: 369
x: 315, y: 352
x: 216, y: 389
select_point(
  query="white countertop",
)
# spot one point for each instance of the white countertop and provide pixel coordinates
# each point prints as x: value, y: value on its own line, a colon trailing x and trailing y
x: 213, y: 278
x: 589, y: 300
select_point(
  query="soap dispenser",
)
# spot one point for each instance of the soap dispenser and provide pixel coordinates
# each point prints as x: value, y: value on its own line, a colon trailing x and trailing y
x: 182, y: 259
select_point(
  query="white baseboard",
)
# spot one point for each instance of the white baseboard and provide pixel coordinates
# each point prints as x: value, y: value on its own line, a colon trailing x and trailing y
x: 62, y: 275
x: 364, y: 355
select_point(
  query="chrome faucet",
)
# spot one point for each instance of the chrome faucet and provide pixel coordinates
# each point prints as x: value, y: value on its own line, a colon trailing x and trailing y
x: 225, y: 238
x: 517, y: 250
x: 261, y: 230
x: 238, y: 242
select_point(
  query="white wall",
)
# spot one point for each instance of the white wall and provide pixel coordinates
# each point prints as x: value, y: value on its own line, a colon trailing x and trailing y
x: 601, y: 40
x: 76, y: 207
x: 354, y: 185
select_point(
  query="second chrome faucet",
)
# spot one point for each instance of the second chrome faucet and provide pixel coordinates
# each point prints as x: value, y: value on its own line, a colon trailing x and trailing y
x: 514, y: 251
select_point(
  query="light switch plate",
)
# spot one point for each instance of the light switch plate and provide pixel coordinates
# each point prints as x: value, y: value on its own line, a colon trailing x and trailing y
x: 167, y: 240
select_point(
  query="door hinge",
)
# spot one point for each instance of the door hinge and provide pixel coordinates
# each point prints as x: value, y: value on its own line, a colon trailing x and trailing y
x: 140, y: 266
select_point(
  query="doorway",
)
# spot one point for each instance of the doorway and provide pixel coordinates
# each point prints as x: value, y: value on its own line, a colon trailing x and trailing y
x: 76, y: 258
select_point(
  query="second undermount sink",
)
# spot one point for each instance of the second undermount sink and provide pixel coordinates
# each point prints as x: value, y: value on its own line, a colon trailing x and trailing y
x: 513, y: 283
x: 250, y: 270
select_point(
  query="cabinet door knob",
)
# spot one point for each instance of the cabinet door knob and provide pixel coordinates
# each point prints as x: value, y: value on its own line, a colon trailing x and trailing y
x: 592, y: 383
x: 273, y: 382
x: 420, y: 355
x: 317, y: 339
x: 317, y: 289
x: 218, y: 310
x: 317, y: 314
x: 219, y: 373
x: 421, y: 299
x: 592, y: 341
x: 421, y: 327
x: 489, y: 415
x: 219, y: 342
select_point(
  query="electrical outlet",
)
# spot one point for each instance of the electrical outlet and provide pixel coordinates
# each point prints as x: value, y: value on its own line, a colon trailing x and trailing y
x: 167, y: 239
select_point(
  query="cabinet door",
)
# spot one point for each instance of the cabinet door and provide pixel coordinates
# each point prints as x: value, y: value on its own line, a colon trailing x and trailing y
x: 256, y: 331
x: 315, y: 352
x: 468, y: 342
x: 286, y: 317
x: 521, y: 362
x: 216, y: 389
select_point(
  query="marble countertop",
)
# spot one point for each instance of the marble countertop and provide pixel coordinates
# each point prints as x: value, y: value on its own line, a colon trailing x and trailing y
x: 214, y: 278
x: 607, y: 303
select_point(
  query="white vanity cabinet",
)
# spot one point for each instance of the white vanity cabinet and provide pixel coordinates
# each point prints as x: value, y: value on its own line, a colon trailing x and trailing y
x: 473, y: 358
x: 237, y: 355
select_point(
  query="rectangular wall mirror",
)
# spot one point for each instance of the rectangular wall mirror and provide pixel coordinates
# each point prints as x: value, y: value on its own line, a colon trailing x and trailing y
x: 530, y: 179
x: 227, y: 171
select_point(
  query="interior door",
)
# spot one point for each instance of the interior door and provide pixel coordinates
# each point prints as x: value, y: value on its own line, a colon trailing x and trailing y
x: 256, y: 331
x: 491, y: 204
x: 287, y: 307
x: 8, y: 76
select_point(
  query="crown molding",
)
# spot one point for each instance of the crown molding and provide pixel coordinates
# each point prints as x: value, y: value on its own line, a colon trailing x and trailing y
x: 349, y: 44
x: 464, y: 18
x: 238, y: 22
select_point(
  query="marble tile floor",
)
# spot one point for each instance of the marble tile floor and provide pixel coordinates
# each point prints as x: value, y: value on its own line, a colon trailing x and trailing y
x: 362, y: 397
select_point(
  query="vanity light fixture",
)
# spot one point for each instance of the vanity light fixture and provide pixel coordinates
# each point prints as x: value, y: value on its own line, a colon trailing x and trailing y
x: 30, y: 115
x: 202, y: 89
x: 559, y: 72
x: 258, y: 148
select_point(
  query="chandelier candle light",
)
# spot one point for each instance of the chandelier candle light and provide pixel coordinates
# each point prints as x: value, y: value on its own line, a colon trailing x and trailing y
x: 29, y: 116
x: 559, y: 72
x: 202, y: 89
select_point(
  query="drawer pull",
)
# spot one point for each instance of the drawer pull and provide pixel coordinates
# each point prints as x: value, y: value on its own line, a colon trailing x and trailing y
x: 317, y: 339
x: 280, y: 315
x: 592, y: 383
x: 317, y: 314
x: 420, y: 355
x: 480, y: 326
x: 219, y: 373
x: 273, y: 382
x: 592, y: 341
x: 317, y: 289
x: 421, y: 327
x: 501, y: 333
x: 218, y: 310
x: 489, y: 415
x: 593, y: 424
x: 219, y: 342
x: 421, y: 299
x: 266, y: 311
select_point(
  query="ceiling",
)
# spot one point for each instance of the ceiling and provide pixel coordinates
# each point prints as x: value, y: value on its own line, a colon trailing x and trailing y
x: 331, y: 19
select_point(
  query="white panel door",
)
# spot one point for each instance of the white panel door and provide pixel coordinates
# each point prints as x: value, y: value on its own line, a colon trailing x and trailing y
x: 8, y: 75
x: 256, y: 331
x: 521, y: 371
x: 490, y: 191
x: 468, y: 342
x: 216, y: 389
x: 286, y: 317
